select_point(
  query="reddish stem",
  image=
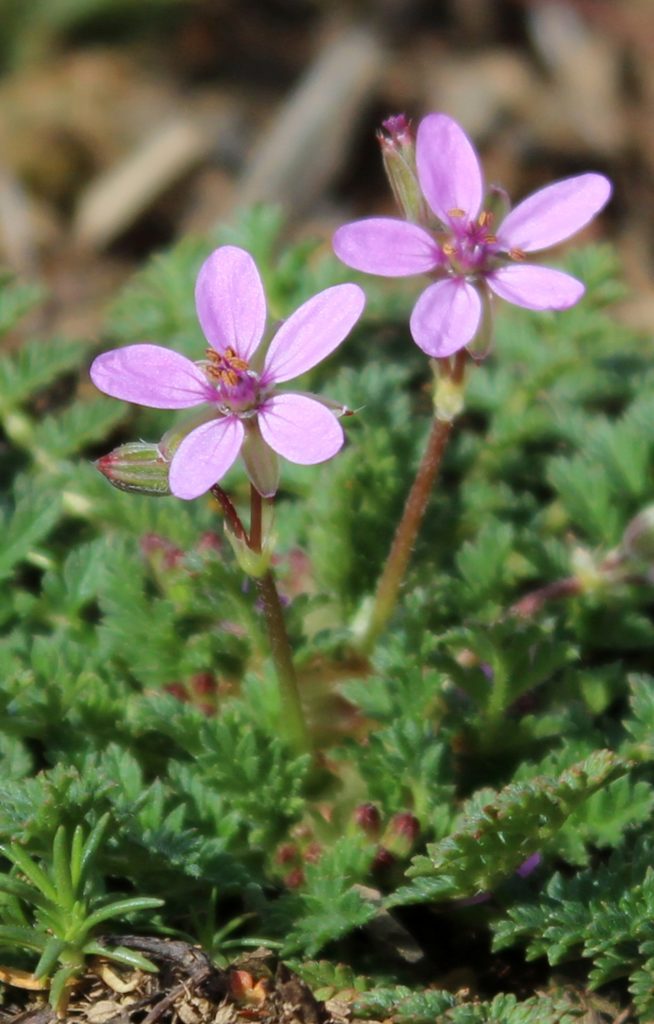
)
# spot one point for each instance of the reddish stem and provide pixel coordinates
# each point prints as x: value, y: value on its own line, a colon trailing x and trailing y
x: 532, y: 603
x: 414, y: 510
x: 280, y: 647
x: 231, y: 515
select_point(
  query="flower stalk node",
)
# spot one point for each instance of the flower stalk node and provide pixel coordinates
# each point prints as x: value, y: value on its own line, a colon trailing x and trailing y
x: 254, y: 563
x: 449, y: 392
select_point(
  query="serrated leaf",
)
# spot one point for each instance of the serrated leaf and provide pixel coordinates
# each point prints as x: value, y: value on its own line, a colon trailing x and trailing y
x: 492, y: 842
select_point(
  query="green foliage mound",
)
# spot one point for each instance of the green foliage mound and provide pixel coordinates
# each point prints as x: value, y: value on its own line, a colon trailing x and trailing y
x: 136, y: 681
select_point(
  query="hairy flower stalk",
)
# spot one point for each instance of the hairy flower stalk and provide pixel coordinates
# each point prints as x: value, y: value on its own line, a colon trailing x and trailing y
x: 280, y: 647
x: 450, y: 235
x: 253, y: 555
x: 409, y: 525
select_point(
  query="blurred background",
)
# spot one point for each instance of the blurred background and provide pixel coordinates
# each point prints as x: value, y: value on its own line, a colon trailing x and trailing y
x: 125, y: 124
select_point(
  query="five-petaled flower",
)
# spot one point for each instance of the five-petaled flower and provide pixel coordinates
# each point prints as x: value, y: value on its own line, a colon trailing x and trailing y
x: 467, y: 256
x: 245, y: 411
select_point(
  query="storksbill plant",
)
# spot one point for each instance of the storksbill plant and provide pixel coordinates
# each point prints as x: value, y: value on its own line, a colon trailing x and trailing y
x: 450, y: 235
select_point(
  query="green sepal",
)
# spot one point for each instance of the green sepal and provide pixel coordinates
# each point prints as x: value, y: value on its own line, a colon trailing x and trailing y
x: 261, y: 462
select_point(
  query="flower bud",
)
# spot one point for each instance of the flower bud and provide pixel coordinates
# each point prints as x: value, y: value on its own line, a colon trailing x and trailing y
x: 204, y: 684
x: 162, y: 554
x: 399, y: 155
x: 177, y: 690
x: 368, y: 818
x: 287, y: 853
x: 383, y: 860
x: 401, y: 834
x: 137, y: 467
x: 294, y: 879
x: 638, y: 539
x: 313, y: 853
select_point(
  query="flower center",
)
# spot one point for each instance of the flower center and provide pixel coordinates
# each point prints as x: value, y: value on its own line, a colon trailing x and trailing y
x: 469, y: 244
x: 238, y: 388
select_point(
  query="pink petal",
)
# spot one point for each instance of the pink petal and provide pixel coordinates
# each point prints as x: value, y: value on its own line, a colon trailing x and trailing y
x: 300, y: 428
x: 204, y: 456
x: 313, y: 331
x: 448, y: 168
x: 554, y: 213
x: 391, y: 248
x: 151, y: 375
x: 446, y: 317
x: 536, y: 287
x: 230, y: 301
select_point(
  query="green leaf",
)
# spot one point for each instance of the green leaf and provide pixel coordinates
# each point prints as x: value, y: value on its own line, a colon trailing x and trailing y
x: 119, y: 908
x: 23, y: 938
x: 32, y: 519
x: 494, y: 839
x: 59, y: 983
x: 36, y: 364
x: 61, y: 869
x: 92, y: 845
x: 121, y: 955
x: 49, y: 957
x: 21, y: 890
x: 30, y: 868
x: 76, y: 855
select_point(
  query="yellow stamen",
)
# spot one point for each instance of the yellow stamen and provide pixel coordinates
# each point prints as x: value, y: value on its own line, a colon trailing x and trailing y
x: 224, y: 367
x: 517, y: 254
x: 456, y: 212
x: 449, y: 249
x: 234, y: 360
x: 490, y: 239
x: 485, y: 219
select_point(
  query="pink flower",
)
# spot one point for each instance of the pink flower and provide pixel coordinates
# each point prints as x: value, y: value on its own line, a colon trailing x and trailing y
x: 246, y: 413
x: 463, y: 252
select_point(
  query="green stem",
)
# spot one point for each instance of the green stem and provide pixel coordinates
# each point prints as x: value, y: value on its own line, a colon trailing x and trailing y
x: 280, y: 648
x: 497, y: 700
x: 414, y: 510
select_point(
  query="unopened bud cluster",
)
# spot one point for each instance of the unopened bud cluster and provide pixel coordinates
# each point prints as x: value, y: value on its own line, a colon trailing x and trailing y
x: 202, y: 690
x: 395, y: 841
